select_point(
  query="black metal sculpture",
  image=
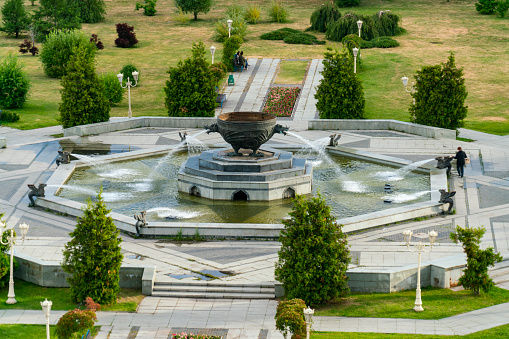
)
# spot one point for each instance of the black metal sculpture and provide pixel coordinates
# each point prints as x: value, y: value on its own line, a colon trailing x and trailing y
x: 445, y: 162
x: 140, y: 221
x: 247, y: 130
x: 182, y: 136
x: 445, y: 198
x: 63, y: 158
x: 334, y: 139
x: 35, y: 192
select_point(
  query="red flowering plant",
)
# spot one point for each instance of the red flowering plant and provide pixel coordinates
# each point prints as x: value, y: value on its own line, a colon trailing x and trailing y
x: 280, y: 101
x: 185, y: 335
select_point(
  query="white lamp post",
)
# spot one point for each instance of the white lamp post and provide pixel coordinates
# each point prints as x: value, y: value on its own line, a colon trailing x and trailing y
x: 355, y: 51
x: 419, y: 248
x: 11, y: 241
x: 411, y: 90
x: 46, y: 307
x: 128, y: 85
x: 212, y: 51
x: 229, y: 22
x: 308, y: 315
x: 359, y: 25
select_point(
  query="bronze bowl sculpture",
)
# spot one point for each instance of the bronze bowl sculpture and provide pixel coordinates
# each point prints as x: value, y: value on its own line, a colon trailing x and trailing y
x: 247, y: 130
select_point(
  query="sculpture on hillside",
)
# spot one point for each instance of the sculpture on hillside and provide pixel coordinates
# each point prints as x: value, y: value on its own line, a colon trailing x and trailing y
x: 333, y: 142
x: 140, y: 221
x: 446, y: 198
x: 35, y: 192
x: 63, y: 158
x: 445, y: 162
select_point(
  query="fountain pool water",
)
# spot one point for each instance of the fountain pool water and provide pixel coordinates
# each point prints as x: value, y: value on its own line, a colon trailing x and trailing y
x: 151, y: 184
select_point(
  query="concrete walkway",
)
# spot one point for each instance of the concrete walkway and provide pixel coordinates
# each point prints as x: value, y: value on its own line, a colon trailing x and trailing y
x: 482, y: 199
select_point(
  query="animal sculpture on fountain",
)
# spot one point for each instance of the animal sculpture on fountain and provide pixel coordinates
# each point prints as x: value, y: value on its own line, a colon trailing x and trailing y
x: 182, y: 136
x: 334, y: 138
x: 445, y: 162
x: 63, y: 158
x: 446, y: 198
x: 35, y: 192
x: 140, y: 221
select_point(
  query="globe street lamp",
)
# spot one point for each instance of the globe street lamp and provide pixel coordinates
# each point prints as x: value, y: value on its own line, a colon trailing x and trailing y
x: 359, y: 25
x: 229, y: 22
x: 308, y: 315
x: 212, y: 51
x: 11, y: 241
x: 46, y: 307
x: 355, y: 51
x: 411, y: 91
x: 128, y: 85
x: 419, y: 248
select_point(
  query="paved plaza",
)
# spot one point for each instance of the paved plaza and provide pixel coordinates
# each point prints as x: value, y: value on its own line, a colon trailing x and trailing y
x: 482, y: 199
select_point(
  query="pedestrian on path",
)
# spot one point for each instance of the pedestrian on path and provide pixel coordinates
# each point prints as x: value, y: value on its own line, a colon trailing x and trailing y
x: 460, y: 161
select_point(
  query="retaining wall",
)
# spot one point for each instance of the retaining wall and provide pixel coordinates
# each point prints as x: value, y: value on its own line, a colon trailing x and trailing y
x: 3, y: 142
x: 394, y: 125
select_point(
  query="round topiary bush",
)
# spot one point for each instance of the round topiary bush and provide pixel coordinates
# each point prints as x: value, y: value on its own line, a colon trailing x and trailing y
x: 279, y: 34
x: 384, y: 42
x: 14, y: 83
x: 127, y: 71
x: 112, y: 89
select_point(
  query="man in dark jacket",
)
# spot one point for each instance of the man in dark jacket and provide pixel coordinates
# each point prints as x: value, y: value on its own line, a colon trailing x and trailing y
x: 460, y: 161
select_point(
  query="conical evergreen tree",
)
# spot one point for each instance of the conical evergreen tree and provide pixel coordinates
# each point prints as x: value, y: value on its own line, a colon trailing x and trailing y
x: 83, y: 99
x: 93, y: 256
x: 15, y: 17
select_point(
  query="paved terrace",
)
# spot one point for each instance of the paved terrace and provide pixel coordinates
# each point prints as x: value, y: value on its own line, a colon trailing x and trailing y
x: 482, y: 199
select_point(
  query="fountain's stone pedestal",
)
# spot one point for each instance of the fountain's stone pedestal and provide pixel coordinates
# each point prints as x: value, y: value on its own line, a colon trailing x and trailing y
x: 275, y: 175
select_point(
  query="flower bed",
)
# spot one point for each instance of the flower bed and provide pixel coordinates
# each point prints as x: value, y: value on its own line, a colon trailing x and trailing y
x: 281, y: 100
x: 185, y: 335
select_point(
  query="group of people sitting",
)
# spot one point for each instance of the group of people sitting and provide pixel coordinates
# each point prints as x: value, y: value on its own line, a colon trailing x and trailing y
x: 240, y: 60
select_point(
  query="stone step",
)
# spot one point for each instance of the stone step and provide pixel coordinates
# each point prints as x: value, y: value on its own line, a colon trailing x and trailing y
x: 160, y: 282
x: 212, y: 295
x: 218, y: 289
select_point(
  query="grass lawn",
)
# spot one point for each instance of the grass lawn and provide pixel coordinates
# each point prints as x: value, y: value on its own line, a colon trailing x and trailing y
x: 291, y: 72
x: 499, y: 332
x: 31, y: 331
x: 433, y: 30
x: 29, y: 297
x: 437, y: 303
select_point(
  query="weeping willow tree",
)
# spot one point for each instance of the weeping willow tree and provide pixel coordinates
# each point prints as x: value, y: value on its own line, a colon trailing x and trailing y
x: 328, y: 12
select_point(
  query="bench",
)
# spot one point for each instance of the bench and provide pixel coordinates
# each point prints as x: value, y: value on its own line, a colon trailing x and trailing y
x: 220, y: 98
x: 86, y: 336
x: 236, y: 64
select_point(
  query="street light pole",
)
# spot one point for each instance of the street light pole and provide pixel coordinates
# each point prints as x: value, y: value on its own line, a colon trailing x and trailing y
x: 411, y: 91
x: 46, y: 307
x: 308, y: 315
x: 355, y: 51
x: 11, y: 241
x: 212, y: 51
x: 407, y: 234
x: 128, y: 85
x: 359, y: 25
x: 229, y: 22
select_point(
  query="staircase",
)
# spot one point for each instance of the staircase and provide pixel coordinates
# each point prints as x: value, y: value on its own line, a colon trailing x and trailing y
x: 500, y: 273
x: 214, y: 290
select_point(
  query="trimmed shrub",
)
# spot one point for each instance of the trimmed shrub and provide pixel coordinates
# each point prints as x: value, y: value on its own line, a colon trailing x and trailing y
x: 230, y: 47
x: 486, y: 6
x: 384, y: 42
x: 75, y: 323
x: 252, y: 14
x: 190, y: 91
x: 290, y: 318
x: 352, y: 40
x: 8, y: 116
x: 302, y: 39
x: 502, y: 8
x: 112, y: 89
x: 83, y: 101
x: 239, y: 28
x: 279, y: 34
x: 126, y: 36
x: 91, y: 11
x: 278, y: 12
x: 340, y: 94
x: 314, y: 253
x: 218, y: 70
x: 15, y: 17
x: 14, y: 83
x: 27, y: 46
x: 347, y: 3
x: 321, y: 17
x: 439, y: 95
x: 94, y: 272
x: 58, y: 49
x: 149, y: 7
x: 127, y: 71
x: 96, y: 41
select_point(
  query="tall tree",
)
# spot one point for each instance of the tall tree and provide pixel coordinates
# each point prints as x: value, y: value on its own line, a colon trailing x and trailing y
x: 55, y: 15
x: 93, y: 256
x: 91, y: 11
x: 195, y: 6
x: 83, y: 98
x: 475, y: 277
x: 314, y: 254
x: 15, y: 17
x: 190, y: 91
x: 340, y: 94
x: 440, y: 94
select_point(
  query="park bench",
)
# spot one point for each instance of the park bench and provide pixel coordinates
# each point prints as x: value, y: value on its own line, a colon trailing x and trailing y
x: 237, y: 64
x: 220, y: 97
x: 86, y: 336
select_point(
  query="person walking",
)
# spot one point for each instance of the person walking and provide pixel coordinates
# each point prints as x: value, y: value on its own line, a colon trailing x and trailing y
x: 460, y: 161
